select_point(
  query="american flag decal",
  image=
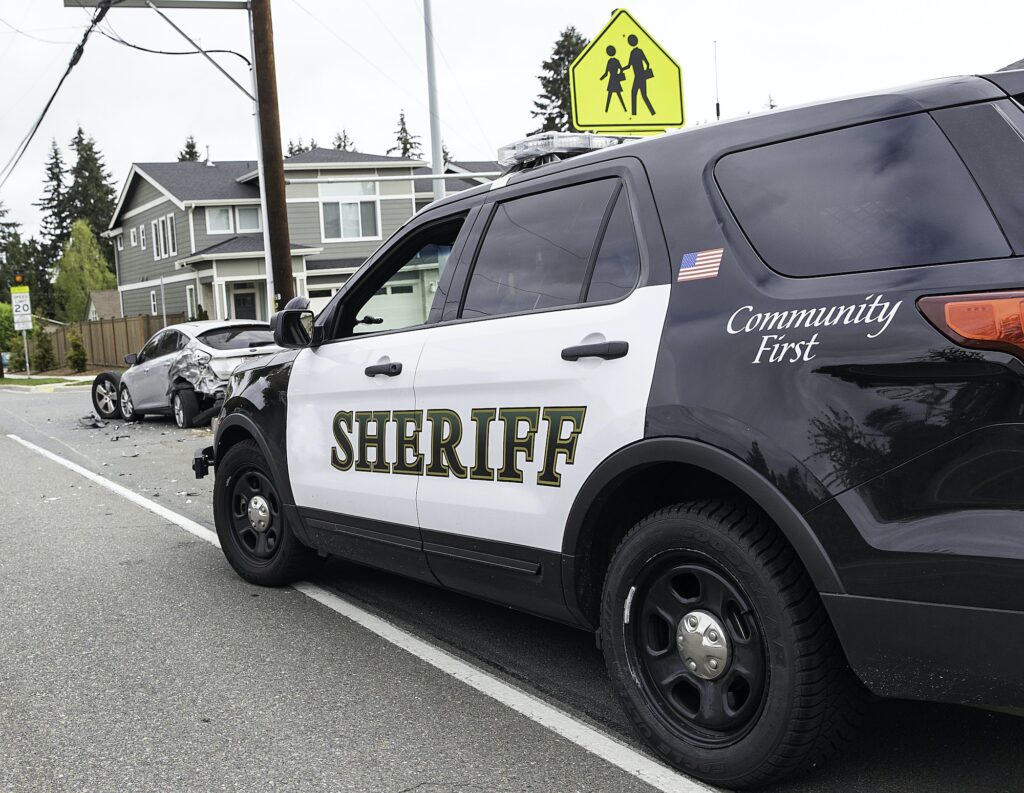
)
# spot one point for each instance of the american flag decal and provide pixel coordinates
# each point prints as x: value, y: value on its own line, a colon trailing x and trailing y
x: 700, y: 264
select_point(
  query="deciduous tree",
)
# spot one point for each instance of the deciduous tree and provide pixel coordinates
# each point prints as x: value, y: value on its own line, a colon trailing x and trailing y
x: 80, y: 270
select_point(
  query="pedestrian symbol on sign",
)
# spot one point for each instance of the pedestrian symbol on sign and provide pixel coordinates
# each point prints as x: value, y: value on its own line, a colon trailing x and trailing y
x: 623, y: 57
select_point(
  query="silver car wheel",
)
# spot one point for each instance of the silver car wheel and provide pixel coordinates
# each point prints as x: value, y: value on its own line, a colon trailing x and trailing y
x: 106, y: 396
x: 179, y: 411
x: 127, y: 408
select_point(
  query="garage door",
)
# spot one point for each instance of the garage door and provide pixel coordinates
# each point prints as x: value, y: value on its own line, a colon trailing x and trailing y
x: 400, y: 306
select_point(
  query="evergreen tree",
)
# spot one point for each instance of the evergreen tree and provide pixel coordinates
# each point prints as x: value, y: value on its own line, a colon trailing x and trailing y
x: 55, y: 226
x: 91, y: 195
x: 554, y: 104
x: 27, y: 257
x: 406, y: 144
x: 342, y: 141
x: 80, y: 270
x: 300, y: 147
x: 42, y: 352
x: 191, y: 151
x: 78, y: 358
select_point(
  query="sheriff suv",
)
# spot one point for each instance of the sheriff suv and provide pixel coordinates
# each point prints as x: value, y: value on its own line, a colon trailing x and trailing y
x: 746, y: 401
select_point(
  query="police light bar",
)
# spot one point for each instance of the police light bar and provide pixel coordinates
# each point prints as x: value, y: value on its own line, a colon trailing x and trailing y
x: 552, y: 145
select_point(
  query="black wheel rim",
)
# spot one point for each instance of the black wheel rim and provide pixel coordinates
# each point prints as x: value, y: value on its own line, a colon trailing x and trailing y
x: 710, y: 713
x: 248, y: 491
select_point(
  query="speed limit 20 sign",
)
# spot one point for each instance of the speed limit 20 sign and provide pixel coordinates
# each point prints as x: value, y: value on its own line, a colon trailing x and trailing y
x: 21, y: 303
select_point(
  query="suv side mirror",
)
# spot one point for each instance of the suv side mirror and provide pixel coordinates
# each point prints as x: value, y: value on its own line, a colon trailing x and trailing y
x: 131, y: 359
x: 293, y: 328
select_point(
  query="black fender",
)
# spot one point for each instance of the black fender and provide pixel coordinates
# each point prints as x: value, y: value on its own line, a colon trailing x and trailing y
x: 238, y: 420
x: 653, y: 451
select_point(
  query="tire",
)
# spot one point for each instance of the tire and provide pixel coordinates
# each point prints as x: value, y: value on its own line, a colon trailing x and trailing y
x: 270, y: 556
x: 692, y: 579
x: 184, y: 407
x: 106, y: 399
x: 128, y: 411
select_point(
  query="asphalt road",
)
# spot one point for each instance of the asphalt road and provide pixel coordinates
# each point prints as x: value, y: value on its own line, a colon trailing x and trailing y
x: 131, y: 657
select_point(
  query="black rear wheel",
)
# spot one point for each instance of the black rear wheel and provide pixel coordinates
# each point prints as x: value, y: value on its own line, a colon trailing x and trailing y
x: 185, y: 407
x: 720, y: 648
x: 251, y: 522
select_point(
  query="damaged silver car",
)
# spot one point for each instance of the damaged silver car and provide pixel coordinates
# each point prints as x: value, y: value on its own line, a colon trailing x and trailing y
x: 183, y: 370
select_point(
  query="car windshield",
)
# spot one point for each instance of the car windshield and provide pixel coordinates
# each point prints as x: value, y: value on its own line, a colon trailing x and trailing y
x: 238, y: 337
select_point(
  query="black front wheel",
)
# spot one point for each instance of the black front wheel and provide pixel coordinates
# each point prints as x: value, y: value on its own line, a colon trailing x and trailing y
x: 720, y: 648
x: 251, y: 522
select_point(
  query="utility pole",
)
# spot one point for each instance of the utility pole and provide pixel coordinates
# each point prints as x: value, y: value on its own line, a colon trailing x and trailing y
x: 436, y: 158
x: 278, y: 249
x: 276, y: 245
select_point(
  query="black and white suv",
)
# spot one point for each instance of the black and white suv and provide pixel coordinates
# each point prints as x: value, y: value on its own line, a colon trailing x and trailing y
x: 745, y: 400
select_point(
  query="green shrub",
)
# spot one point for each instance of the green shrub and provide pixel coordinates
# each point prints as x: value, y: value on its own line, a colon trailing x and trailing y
x: 17, y: 362
x: 42, y: 356
x: 77, y: 358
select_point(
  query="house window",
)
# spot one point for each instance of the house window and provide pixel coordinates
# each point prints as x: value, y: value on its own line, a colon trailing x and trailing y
x: 190, y: 301
x: 120, y: 242
x: 134, y: 236
x: 142, y: 236
x: 157, y: 240
x: 247, y: 219
x: 349, y: 210
x: 172, y: 243
x: 152, y: 303
x: 218, y: 220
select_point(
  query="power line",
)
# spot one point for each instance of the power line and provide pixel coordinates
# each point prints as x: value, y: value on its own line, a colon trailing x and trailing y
x: 28, y: 35
x: 114, y: 36
x: 76, y: 56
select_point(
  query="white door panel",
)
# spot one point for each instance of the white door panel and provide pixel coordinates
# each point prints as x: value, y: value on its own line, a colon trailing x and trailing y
x: 331, y: 379
x: 516, y: 361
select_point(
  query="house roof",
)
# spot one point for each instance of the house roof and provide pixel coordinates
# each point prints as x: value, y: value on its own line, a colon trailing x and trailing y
x: 197, y: 181
x: 1014, y: 66
x: 107, y: 302
x: 321, y: 156
x: 239, y: 245
x: 458, y: 166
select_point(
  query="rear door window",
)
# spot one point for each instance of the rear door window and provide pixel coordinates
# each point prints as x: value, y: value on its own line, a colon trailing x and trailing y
x: 538, y: 250
x: 238, y: 337
x: 873, y: 197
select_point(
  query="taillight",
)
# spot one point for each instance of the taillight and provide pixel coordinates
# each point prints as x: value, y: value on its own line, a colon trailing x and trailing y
x: 988, y: 321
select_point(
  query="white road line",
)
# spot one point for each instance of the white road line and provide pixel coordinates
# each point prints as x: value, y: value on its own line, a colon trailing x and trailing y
x: 157, y: 509
x: 572, y: 729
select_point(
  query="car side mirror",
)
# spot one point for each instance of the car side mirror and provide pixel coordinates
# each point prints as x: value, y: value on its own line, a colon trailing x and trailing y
x: 293, y: 328
x: 131, y: 359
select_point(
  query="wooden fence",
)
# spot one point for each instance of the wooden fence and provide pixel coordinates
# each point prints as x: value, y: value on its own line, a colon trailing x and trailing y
x: 107, y: 341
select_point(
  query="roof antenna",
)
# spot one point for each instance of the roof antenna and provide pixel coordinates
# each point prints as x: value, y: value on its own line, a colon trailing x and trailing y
x: 208, y: 163
x: 718, y: 106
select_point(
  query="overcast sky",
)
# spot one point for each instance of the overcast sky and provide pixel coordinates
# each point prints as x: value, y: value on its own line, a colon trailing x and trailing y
x: 355, y: 64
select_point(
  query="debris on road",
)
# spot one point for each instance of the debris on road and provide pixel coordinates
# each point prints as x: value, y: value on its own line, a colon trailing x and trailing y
x: 92, y: 422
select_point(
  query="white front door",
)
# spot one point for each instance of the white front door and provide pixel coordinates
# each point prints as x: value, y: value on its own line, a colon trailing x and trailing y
x: 338, y: 417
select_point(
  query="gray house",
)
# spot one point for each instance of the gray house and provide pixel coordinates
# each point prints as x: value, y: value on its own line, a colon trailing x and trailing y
x: 189, y: 234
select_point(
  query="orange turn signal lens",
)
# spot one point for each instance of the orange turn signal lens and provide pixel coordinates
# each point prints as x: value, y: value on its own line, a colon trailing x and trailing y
x: 988, y: 321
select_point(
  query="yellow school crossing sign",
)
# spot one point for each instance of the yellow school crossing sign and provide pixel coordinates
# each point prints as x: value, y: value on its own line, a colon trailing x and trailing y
x: 625, y: 82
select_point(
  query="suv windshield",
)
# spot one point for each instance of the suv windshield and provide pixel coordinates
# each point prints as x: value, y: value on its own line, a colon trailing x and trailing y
x: 238, y: 337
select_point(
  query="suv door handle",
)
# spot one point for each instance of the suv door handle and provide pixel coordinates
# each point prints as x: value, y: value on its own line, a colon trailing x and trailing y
x: 390, y: 369
x: 604, y: 349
